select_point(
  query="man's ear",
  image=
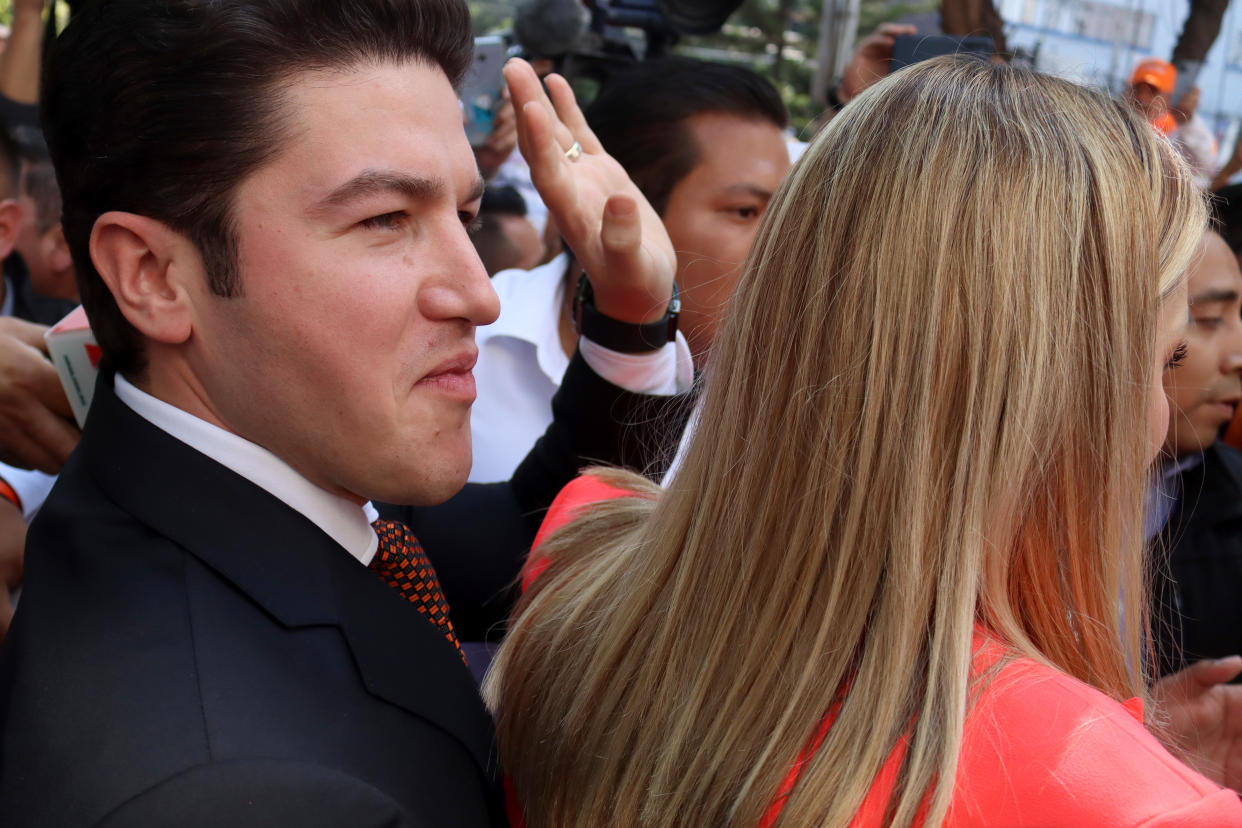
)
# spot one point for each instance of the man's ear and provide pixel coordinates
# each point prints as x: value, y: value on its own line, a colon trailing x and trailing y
x: 146, y: 265
x: 10, y: 224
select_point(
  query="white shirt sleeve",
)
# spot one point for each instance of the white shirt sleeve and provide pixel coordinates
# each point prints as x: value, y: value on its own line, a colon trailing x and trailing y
x: 667, y: 371
x: 31, y: 487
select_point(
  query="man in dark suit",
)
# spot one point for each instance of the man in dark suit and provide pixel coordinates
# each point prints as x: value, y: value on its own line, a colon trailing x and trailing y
x: 267, y: 201
x: 1199, y: 555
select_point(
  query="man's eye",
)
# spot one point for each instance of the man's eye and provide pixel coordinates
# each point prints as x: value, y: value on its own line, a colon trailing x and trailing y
x: 388, y: 221
x: 746, y: 212
x: 472, y: 223
x: 1208, y: 322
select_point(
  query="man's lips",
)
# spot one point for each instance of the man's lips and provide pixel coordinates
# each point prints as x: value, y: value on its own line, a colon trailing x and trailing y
x: 453, y: 376
x: 1224, y: 407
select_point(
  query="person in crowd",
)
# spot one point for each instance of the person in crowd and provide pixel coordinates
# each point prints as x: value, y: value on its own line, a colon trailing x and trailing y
x: 19, y: 74
x: 42, y: 431
x: 1150, y: 92
x: 38, y: 287
x: 1200, y: 493
x: 276, y: 265
x: 36, y: 427
x: 504, y: 238
x: 883, y: 588
x: 703, y: 142
x: 40, y: 241
x: 1198, y: 554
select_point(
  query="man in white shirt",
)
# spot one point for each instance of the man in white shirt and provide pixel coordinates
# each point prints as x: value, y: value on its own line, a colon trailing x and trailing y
x: 267, y: 203
x: 704, y: 142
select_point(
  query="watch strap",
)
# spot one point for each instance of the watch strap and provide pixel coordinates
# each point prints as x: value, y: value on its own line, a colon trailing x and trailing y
x: 623, y: 337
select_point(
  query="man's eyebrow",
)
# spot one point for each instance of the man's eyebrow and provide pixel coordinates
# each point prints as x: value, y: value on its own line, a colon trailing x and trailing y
x: 1214, y: 295
x: 749, y: 189
x: 371, y: 182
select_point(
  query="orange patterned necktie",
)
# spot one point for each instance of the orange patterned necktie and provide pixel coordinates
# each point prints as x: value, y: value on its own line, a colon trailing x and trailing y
x: 404, y: 566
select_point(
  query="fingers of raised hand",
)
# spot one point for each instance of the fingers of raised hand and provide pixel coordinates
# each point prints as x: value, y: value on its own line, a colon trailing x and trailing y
x: 528, y: 94
x: 621, y: 230
x: 570, y: 114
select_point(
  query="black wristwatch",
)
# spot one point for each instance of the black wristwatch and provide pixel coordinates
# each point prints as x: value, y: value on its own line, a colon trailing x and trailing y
x: 625, y: 337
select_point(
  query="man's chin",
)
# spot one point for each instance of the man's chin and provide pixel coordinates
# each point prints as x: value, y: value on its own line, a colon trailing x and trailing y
x: 428, y: 484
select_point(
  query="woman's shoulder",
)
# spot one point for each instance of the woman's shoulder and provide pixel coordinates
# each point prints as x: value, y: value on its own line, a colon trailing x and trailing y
x: 1042, y: 748
x: 580, y: 493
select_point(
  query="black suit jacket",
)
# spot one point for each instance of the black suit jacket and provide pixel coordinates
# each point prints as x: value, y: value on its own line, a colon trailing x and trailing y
x: 190, y: 651
x: 1198, y: 611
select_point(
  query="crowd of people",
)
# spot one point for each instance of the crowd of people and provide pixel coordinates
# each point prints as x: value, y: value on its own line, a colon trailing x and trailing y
x: 912, y: 496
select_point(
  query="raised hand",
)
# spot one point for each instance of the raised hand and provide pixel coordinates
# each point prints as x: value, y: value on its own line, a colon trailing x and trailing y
x: 872, y: 60
x: 614, y: 233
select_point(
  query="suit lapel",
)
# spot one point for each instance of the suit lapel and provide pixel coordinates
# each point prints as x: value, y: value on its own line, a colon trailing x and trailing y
x: 406, y: 660
x: 284, y: 563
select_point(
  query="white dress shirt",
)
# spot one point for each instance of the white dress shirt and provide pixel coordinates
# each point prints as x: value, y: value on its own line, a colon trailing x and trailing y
x: 341, y: 519
x: 31, y: 487
x: 521, y: 364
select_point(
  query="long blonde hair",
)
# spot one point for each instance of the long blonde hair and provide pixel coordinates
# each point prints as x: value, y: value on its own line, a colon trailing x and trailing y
x: 924, y: 413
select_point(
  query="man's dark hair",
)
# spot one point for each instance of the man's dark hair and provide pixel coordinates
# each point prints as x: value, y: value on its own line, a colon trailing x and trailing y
x: 503, y: 200
x: 9, y: 161
x: 640, y: 116
x: 38, y: 182
x: 1226, y: 206
x: 162, y: 107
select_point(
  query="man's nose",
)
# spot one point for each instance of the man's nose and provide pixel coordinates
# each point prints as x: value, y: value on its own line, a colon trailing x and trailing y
x: 463, y: 291
x: 1231, y: 353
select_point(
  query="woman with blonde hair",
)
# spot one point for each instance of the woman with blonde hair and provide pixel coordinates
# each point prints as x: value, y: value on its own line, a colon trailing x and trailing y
x: 898, y: 578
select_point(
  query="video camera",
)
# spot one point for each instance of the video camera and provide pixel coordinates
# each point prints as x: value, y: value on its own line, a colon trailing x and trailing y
x: 590, y: 39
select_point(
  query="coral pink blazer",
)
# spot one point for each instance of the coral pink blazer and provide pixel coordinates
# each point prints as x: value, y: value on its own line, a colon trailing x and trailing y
x: 1039, y: 747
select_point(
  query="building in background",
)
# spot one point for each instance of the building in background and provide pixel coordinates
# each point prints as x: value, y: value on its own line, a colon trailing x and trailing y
x: 1099, y: 42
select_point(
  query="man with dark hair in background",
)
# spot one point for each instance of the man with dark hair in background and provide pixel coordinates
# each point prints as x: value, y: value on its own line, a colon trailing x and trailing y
x: 1196, y: 519
x: 36, y: 427
x: 266, y: 202
x: 704, y: 143
x: 41, y: 240
x: 27, y: 305
x: 505, y: 238
x: 1198, y: 613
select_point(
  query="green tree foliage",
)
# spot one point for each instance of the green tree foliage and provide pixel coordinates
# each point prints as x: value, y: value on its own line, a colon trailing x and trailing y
x: 778, y: 38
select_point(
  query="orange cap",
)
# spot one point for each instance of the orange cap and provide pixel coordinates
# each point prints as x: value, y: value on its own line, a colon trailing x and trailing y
x: 1156, y: 72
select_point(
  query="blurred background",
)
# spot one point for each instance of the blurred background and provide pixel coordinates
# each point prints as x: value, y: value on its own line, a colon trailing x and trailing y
x: 802, y: 45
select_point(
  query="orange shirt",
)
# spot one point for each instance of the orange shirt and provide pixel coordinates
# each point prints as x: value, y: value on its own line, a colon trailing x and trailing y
x: 1039, y: 748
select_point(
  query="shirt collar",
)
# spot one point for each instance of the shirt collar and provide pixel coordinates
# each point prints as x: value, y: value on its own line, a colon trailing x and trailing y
x: 339, y: 518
